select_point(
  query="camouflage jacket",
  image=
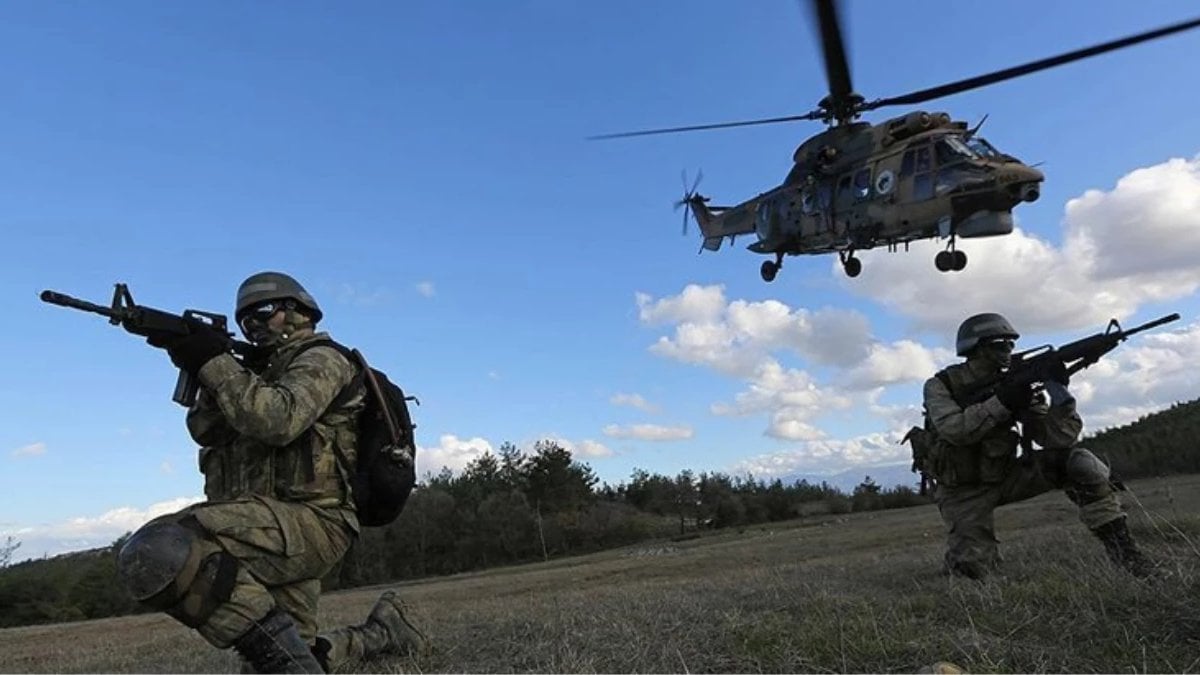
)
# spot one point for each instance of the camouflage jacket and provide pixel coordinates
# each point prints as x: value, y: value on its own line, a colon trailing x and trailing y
x: 275, y: 434
x: 983, y: 434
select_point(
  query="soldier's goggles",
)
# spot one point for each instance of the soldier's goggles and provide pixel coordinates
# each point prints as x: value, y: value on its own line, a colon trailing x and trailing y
x: 1006, y: 343
x: 259, y: 314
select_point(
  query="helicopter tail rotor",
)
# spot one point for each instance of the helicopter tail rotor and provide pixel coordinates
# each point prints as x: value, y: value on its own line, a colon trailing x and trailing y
x: 689, y: 194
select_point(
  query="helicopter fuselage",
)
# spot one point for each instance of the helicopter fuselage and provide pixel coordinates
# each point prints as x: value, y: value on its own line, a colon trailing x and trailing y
x: 858, y: 186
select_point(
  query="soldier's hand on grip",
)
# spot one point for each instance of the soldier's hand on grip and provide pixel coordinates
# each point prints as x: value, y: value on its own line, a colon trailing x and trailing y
x: 1057, y: 372
x: 191, y: 352
x: 1015, y: 393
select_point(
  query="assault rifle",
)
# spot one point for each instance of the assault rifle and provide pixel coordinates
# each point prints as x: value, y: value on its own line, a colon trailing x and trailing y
x: 1038, y: 365
x: 147, y: 321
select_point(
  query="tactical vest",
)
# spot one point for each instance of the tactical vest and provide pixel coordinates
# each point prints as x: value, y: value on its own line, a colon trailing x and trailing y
x: 305, y: 470
x: 986, y: 461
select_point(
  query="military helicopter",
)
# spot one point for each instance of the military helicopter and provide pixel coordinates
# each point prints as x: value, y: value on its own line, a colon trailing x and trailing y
x: 856, y: 186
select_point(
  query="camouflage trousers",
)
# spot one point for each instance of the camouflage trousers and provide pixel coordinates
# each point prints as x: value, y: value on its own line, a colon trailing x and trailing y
x: 282, y: 551
x: 968, y: 510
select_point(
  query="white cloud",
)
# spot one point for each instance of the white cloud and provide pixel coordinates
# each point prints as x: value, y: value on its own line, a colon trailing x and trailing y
x: 734, y: 337
x: 1136, y: 243
x: 648, y: 432
x: 426, y: 289
x: 31, y: 450
x: 450, y: 452
x: 902, y: 361
x: 696, y: 304
x: 166, y: 467
x: 791, y: 397
x: 633, y: 401
x: 89, y: 531
x: 584, y: 449
x: 493, y: 375
x: 828, y: 455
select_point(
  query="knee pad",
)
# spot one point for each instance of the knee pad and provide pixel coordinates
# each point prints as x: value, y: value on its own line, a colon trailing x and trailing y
x: 168, y: 567
x: 158, y: 563
x: 1085, y: 468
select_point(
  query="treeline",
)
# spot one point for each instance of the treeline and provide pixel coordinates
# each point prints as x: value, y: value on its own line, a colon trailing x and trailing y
x: 1159, y: 444
x: 516, y: 506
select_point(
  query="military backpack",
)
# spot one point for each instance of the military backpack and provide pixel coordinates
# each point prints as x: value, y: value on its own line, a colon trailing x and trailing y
x: 385, y: 471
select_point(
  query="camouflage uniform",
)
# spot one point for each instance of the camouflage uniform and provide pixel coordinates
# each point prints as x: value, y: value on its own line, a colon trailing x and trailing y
x: 277, y: 441
x: 978, y: 468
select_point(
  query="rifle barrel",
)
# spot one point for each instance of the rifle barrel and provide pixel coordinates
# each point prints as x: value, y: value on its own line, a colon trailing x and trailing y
x: 64, y: 300
x: 1153, y: 324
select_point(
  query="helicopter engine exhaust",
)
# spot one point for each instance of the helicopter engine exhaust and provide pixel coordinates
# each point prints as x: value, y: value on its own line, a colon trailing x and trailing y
x: 1029, y: 192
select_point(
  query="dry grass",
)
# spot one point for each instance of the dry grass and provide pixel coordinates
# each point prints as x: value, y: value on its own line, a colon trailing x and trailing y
x: 859, y: 593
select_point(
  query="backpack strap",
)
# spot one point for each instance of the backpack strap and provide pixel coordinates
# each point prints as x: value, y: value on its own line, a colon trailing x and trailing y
x: 344, y: 395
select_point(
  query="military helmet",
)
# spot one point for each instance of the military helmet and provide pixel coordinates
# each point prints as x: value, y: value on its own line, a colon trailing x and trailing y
x: 983, y: 327
x: 264, y: 286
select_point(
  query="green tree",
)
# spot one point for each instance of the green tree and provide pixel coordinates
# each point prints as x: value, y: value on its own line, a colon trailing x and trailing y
x: 7, y: 549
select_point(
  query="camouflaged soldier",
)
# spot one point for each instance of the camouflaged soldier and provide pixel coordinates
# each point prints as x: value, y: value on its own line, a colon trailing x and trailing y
x: 244, y: 567
x: 975, y: 459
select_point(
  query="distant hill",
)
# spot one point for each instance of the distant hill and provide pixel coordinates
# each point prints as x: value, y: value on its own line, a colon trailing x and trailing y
x: 884, y: 475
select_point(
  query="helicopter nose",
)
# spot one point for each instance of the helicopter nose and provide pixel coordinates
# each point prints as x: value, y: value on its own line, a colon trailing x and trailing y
x: 1024, y: 182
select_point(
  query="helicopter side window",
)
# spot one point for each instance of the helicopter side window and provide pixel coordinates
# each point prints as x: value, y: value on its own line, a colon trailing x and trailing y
x: 843, y: 188
x: 915, y: 159
x: 824, y: 196
x: 862, y: 183
x: 922, y: 186
x: 924, y: 161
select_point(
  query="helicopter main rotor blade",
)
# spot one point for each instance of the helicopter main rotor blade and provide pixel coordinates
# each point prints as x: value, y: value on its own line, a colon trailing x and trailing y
x: 814, y: 115
x: 1027, y: 68
x: 837, y: 71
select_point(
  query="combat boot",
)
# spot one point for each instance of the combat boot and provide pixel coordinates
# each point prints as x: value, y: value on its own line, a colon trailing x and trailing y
x: 1122, y: 549
x: 386, y: 631
x: 274, y: 645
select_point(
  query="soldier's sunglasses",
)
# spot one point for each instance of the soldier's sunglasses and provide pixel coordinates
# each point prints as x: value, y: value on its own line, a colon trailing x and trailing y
x: 259, y: 313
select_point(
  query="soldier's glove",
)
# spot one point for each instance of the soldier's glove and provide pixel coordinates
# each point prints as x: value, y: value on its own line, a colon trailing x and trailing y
x: 1016, y: 394
x: 1058, y: 393
x: 161, y: 339
x: 1057, y: 372
x: 190, y: 352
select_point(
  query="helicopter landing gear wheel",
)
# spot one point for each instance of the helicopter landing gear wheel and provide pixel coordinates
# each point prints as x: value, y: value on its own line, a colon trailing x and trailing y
x: 950, y: 260
x: 769, y: 270
x: 850, y: 265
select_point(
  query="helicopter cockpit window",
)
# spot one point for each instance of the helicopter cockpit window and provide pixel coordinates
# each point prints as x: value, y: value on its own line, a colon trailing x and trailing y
x: 951, y: 150
x: 983, y: 148
x: 862, y: 183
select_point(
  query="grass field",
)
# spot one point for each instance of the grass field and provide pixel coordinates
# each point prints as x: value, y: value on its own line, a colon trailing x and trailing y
x: 856, y: 593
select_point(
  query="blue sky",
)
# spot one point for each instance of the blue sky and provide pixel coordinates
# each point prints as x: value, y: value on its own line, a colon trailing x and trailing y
x: 422, y: 168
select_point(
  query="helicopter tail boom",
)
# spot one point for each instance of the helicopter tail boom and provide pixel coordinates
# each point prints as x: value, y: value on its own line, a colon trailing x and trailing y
x: 716, y: 224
